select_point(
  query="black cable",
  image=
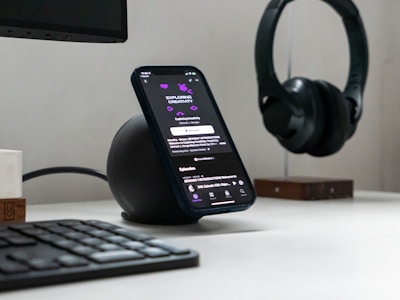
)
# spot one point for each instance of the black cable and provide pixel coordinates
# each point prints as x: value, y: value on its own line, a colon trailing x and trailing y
x: 55, y: 170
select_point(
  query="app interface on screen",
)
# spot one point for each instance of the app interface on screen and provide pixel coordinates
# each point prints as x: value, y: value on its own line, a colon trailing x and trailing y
x: 202, y: 157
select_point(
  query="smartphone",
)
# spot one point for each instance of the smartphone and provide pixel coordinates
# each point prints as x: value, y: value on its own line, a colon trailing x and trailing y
x: 202, y: 163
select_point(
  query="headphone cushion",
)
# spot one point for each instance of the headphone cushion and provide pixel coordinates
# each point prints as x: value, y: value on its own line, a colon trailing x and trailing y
x: 337, y: 120
x: 311, y: 127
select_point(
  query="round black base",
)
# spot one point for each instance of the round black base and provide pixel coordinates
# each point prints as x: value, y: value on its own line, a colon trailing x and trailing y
x: 138, y: 179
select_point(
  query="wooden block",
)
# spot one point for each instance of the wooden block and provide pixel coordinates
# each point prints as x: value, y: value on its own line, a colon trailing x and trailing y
x: 304, y: 188
x: 12, y: 210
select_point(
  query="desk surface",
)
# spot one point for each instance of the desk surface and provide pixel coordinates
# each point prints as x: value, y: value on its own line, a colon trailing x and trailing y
x: 278, y: 249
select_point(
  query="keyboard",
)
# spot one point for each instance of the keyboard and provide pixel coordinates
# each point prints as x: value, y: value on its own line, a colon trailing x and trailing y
x: 51, y: 252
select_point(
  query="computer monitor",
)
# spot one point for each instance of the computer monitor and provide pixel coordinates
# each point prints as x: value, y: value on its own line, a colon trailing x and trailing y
x: 98, y: 21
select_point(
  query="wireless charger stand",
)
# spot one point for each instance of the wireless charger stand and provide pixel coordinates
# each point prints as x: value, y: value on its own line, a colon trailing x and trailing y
x: 138, y: 179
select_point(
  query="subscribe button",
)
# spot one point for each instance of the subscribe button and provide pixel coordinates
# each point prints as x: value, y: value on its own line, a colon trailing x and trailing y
x: 192, y: 130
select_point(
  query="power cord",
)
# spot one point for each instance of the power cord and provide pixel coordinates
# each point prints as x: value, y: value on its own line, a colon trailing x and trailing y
x: 55, y: 170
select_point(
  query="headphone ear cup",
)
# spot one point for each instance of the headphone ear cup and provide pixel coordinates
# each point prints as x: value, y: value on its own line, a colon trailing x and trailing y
x: 337, y: 120
x: 302, y: 132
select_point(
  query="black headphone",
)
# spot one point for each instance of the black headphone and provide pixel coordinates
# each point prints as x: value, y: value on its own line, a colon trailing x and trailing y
x: 311, y: 116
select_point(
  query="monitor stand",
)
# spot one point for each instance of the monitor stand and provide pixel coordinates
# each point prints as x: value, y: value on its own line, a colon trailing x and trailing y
x: 138, y: 179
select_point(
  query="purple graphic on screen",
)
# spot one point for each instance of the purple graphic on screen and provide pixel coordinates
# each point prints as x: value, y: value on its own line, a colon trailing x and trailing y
x: 196, y: 198
x: 182, y: 87
x: 170, y: 108
x: 180, y: 114
x: 194, y: 107
x: 164, y: 86
x: 189, y: 91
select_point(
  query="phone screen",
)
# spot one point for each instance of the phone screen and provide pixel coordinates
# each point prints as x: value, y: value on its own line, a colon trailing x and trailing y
x: 200, y: 151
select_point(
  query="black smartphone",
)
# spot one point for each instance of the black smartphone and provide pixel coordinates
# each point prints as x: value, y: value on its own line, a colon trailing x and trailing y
x: 203, y: 165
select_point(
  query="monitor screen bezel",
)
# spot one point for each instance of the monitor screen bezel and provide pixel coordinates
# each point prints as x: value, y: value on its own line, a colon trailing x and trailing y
x: 19, y: 28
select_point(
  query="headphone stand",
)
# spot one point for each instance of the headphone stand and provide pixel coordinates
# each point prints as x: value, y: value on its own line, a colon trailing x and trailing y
x: 307, y: 188
x: 304, y: 188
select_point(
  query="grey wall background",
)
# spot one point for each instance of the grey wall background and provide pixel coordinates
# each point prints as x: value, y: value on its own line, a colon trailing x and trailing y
x: 62, y: 103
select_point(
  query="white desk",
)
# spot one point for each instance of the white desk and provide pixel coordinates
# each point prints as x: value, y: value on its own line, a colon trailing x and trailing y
x: 279, y: 249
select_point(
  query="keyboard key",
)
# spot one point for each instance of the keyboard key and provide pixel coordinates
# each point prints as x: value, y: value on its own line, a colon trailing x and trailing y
x: 138, y: 236
x: 168, y: 247
x: 12, y: 267
x: 133, y: 245
x: 69, y: 223
x: 113, y: 256
x: 3, y: 244
x: 100, y: 233
x: 20, y: 241
x: 154, y: 252
x: 60, y: 229
x: 100, y: 224
x: 109, y: 247
x: 21, y: 255
x: 83, y: 250
x: 19, y: 227
x: 7, y: 233
x: 45, y: 224
x: 66, y: 244
x: 50, y: 237
x: 76, y: 235
x: 72, y: 261
x: 83, y: 228
x: 42, y: 264
x: 117, y: 239
x: 34, y: 231
x: 91, y: 241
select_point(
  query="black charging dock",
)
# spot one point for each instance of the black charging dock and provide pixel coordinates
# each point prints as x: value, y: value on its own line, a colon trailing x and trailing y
x: 138, y: 179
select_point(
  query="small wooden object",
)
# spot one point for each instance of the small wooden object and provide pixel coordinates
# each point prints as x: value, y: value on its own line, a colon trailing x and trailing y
x: 304, y: 188
x: 12, y: 210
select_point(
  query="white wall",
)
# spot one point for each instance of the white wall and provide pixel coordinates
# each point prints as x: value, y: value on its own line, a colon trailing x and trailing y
x: 62, y: 103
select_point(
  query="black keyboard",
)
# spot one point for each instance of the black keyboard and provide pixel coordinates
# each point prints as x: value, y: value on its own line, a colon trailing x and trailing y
x: 49, y: 252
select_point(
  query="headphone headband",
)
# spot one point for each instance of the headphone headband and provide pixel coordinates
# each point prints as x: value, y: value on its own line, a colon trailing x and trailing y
x: 269, y: 85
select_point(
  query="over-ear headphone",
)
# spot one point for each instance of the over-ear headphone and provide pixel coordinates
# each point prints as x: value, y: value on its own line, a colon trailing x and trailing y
x: 311, y: 116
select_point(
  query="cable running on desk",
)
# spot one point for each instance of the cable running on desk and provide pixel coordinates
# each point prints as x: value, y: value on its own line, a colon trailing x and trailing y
x: 57, y: 170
